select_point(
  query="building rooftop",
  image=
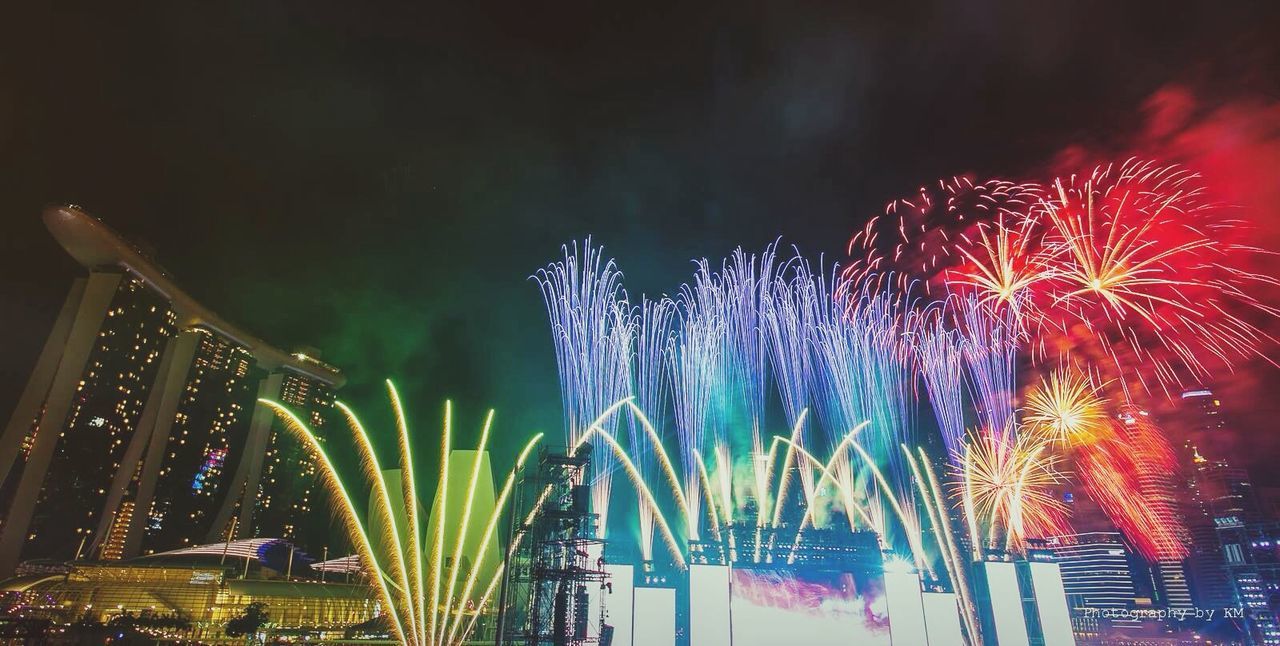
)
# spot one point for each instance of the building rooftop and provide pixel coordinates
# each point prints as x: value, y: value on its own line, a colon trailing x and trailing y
x: 96, y: 246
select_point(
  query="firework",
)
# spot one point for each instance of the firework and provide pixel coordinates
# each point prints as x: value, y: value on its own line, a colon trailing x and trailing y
x: 1065, y: 409
x: 694, y: 354
x: 1006, y: 485
x: 592, y: 331
x: 787, y: 316
x: 940, y: 361
x: 1130, y: 472
x: 917, y: 239
x: 650, y: 385
x: 744, y: 285
x: 420, y: 614
x: 1132, y: 266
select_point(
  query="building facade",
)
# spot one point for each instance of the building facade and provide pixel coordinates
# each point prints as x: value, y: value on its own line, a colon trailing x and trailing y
x: 138, y: 430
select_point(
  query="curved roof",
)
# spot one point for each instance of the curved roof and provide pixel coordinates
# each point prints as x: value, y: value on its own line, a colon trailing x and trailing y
x: 96, y: 246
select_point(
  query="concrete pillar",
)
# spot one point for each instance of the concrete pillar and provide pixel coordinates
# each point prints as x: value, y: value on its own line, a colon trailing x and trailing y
x: 157, y: 420
x: 244, y: 486
x: 37, y: 388
x: 98, y: 295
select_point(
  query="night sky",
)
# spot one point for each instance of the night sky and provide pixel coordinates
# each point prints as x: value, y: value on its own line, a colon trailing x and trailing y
x: 379, y: 180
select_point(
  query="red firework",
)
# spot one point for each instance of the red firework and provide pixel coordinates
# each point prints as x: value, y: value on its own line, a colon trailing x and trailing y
x: 1130, y: 267
x: 1130, y: 473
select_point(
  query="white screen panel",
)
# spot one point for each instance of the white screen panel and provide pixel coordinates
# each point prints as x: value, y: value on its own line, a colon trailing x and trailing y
x: 619, y: 605
x: 906, y: 610
x: 655, y: 617
x: 1006, y: 603
x: 942, y: 619
x: 1051, y: 600
x: 709, y: 605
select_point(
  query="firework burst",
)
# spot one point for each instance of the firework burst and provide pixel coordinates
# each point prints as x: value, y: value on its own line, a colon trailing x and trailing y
x: 1065, y: 409
x: 1006, y: 487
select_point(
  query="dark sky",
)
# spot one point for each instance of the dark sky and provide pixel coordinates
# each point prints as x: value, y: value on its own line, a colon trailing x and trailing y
x: 379, y: 180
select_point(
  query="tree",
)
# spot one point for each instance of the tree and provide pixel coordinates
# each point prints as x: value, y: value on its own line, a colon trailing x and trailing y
x: 253, y: 618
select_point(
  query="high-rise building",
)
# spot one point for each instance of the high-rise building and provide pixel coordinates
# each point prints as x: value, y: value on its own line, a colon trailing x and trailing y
x: 1097, y: 569
x: 287, y: 495
x: 1218, y: 495
x: 1251, y: 555
x: 139, y: 430
x: 78, y: 415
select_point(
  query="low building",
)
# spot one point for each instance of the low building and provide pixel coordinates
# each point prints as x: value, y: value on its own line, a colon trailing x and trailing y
x: 197, y: 591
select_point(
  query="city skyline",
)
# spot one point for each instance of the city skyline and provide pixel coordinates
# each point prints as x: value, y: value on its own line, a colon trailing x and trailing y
x: 641, y: 325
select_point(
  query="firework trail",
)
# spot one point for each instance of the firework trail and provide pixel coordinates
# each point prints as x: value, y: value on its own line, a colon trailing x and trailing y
x: 694, y: 356
x: 787, y: 316
x: 990, y: 350
x: 864, y: 372
x: 651, y: 387
x: 940, y: 361
x: 591, y: 329
x: 1128, y: 472
x: 838, y: 353
x: 413, y: 619
x: 741, y: 396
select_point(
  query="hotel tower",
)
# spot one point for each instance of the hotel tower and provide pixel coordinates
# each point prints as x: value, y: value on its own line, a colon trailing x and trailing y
x: 138, y: 430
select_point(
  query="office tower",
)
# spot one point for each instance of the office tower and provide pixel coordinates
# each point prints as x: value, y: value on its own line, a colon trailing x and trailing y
x: 1251, y: 555
x: 1210, y: 585
x: 1199, y: 422
x: 140, y: 407
x: 1162, y: 491
x: 1097, y: 569
x: 1218, y: 495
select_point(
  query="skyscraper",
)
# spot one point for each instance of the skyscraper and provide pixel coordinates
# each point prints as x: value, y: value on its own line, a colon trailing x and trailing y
x: 1218, y: 495
x: 1161, y: 489
x: 1102, y: 576
x: 138, y: 428
x: 77, y: 416
x: 1096, y: 568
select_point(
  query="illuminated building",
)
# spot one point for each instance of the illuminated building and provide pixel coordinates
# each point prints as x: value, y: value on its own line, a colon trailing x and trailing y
x: 287, y: 494
x: 1111, y: 590
x: 205, y: 586
x: 139, y: 419
x: 1097, y: 569
x: 1161, y: 493
x: 1235, y: 561
x: 1210, y: 584
x: 77, y: 417
x: 1251, y: 555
